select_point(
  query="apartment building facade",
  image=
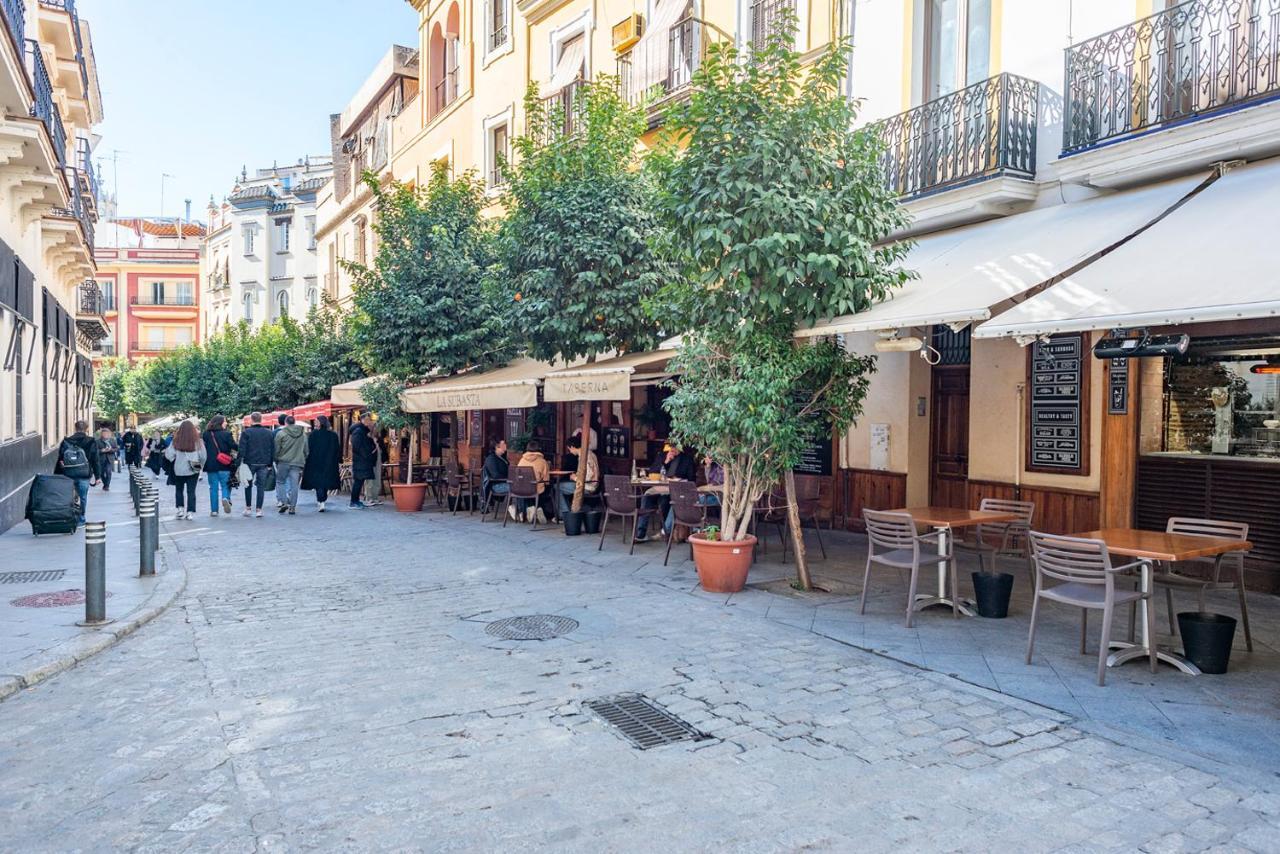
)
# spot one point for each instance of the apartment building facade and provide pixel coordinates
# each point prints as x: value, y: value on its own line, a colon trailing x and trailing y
x: 362, y: 141
x: 50, y: 308
x: 148, y: 275
x: 258, y: 262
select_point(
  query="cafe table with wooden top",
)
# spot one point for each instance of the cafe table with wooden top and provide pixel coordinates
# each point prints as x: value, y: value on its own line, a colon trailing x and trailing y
x: 944, y: 520
x: 1157, y: 546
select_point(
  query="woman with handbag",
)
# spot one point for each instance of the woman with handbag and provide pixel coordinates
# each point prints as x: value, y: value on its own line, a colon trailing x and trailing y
x: 219, y: 444
x: 187, y: 455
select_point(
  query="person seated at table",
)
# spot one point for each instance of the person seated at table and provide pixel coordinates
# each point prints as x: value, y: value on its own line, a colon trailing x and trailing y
x: 567, y: 487
x: 493, y: 476
x: 533, y: 458
x: 715, y: 477
x: 671, y: 464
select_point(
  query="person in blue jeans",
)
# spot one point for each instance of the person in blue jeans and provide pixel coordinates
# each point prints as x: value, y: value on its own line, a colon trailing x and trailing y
x: 218, y: 440
x: 85, y: 474
x: 715, y: 477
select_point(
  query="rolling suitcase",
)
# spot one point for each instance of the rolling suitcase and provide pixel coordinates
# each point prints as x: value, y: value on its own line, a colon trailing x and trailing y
x: 52, y: 505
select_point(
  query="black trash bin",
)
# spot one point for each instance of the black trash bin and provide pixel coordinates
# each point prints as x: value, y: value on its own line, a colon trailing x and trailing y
x: 992, y: 590
x: 1206, y: 639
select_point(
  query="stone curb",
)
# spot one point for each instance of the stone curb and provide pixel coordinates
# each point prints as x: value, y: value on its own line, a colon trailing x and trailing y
x: 72, y: 651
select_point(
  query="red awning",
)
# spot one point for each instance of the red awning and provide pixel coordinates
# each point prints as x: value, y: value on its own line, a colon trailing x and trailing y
x: 308, y: 411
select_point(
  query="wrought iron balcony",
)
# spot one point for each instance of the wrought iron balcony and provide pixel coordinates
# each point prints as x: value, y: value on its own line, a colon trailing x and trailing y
x: 564, y: 110
x: 1194, y: 59
x: 157, y: 346
x: 167, y: 299
x: 658, y: 69
x: 446, y: 91
x: 766, y: 16
x: 78, y: 211
x: 69, y: 6
x: 15, y: 20
x: 104, y: 349
x: 90, y: 312
x: 982, y: 131
x: 88, y: 178
x: 91, y: 301
x: 44, y: 108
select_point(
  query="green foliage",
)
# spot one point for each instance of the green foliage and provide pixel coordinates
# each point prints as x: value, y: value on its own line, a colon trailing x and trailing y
x: 425, y: 305
x: 776, y: 215
x: 776, y: 208
x: 109, y: 389
x: 577, y: 242
x: 382, y: 397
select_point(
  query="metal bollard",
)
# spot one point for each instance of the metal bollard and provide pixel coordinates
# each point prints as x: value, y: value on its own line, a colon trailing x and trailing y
x: 95, y: 575
x: 155, y: 524
x: 148, y: 534
x: 135, y: 489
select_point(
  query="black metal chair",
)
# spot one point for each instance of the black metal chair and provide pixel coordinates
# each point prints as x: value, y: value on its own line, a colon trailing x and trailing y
x: 523, y: 485
x: 687, y: 512
x: 620, y: 500
x: 459, y: 486
x: 489, y: 501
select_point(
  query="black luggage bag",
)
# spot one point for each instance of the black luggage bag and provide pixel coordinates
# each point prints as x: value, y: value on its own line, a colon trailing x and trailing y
x: 52, y: 505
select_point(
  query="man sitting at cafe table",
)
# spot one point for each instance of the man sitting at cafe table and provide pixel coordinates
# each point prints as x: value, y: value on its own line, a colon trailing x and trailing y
x: 670, y: 464
x: 567, y: 487
x: 493, y: 476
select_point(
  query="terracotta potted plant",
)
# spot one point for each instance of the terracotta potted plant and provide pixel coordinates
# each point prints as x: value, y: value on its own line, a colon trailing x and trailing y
x: 722, y: 564
x: 382, y: 395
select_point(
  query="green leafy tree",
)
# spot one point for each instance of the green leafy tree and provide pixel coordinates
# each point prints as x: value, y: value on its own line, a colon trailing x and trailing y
x: 578, y: 240
x: 327, y: 353
x: 777, y: 215
x: 109, y: 390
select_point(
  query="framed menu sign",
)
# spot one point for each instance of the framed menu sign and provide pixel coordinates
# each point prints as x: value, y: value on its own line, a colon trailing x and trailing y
x: 816, y: 458
x: 1058, y: 405
x: 1118, y: 387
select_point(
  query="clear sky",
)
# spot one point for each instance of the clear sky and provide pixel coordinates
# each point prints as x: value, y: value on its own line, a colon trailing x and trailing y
x: 198, y: 89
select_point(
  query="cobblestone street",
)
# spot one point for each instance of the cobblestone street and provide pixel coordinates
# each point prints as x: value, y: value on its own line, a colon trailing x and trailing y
x: 327, y: 682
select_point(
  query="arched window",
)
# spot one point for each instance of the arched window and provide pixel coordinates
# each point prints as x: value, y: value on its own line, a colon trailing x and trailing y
x: 282, y: 301
x: 248, y: 306
x: 313, y: 297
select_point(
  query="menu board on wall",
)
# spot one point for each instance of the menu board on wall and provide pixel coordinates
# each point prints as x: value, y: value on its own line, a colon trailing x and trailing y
x: 1118, y: 387
x: 816, y: 458
x: 1058, y: 388
x: 617, y: 442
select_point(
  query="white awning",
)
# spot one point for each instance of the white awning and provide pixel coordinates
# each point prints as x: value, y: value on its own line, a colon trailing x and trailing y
x: 966, y: 272
x: 348, y: 394
x: 570, y: 66
x: 1215, y: 258
x: 513, y: 386
x: 651, y: 57
x: 609, y: 379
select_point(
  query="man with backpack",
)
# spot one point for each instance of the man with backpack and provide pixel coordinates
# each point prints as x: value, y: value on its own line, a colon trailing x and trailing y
x: 78, y: 459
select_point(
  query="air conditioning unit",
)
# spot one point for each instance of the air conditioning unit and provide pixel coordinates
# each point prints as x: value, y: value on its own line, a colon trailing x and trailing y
x: 627, y: 32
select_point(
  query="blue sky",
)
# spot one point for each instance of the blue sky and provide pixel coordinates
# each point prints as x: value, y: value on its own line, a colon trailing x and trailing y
x: 197, y: 89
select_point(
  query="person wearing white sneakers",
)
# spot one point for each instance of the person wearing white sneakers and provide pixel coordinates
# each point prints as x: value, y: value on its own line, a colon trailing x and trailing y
x: 320, y: 471
x: 187, y: 454
x: 257, y: 452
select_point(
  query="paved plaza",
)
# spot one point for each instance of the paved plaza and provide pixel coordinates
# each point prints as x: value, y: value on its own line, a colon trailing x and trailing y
x: 334, y: 682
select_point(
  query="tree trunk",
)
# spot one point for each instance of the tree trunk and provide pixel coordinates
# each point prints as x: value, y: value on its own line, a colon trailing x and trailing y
x: 797, y: 533
x: 413, y: 443
x: 585, y: 448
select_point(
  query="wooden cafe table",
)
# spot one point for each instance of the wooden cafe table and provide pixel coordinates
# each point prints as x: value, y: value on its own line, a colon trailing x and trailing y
x: 943, y: 520
x: 1156, y: 546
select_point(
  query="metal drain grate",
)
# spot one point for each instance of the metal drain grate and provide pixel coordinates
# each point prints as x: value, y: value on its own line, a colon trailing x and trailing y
x: 644, y: 724
x: 35, y: 575
x: 531, y: 627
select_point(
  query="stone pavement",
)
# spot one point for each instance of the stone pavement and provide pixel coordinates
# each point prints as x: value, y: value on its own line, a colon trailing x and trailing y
x: 327, y: 682
x: 36, y: 642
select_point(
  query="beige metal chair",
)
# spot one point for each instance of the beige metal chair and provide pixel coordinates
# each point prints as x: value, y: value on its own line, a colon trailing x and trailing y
x: 1169, y: 577
x: 1087, y: 580
x: 1002, y: 539
x: 893, y: 541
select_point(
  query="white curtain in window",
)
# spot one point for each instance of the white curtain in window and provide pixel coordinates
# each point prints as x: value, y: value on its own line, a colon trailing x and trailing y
x: 570, y: 66
x: 651, y: 57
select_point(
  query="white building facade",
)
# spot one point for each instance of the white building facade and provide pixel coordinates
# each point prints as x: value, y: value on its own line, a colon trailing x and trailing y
x: 259, y: 258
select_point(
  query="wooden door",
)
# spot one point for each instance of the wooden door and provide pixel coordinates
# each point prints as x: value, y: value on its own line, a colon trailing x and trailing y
x: 949, y: 437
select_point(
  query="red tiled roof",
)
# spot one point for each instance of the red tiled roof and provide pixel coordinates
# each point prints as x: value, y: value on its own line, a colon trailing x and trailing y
x: 162, y: 229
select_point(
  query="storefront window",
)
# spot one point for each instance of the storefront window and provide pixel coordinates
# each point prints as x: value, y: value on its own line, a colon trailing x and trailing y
x: 1223, y: 404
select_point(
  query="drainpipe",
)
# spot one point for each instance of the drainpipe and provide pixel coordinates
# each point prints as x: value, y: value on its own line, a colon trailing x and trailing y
x: 1017, y: 444
x: 851, y: 25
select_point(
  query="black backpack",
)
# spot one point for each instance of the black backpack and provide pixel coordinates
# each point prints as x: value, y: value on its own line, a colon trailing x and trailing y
x: 74, y: 461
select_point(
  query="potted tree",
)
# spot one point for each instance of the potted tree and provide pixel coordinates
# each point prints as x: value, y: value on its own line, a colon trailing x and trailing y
x: 382, y: 396
x: 577, y: 242
x: 777, y: 215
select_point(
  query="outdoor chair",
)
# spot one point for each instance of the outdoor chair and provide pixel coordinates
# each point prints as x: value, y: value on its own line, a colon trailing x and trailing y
x: 893, y: 541
x: 1002, y: 539
x: 620, y: 500
x: 1169, y: 577
x: 1085, y: 579
x: 458, y: 486
x: 771, y: 509
x: 687, y: 513
x: 524, y: 484
x: 489, y: 501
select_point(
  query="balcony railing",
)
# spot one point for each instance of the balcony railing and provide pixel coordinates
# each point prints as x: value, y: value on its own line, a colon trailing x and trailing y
x: 446, y: 91
x: 564, y: 110
x: 657, y: 69
x: 91, y: 299
x: 104, y: 350
x: 1194, y: 59
x: 15, y: 20
x: 167, y: 299
x: 88, y: 177
x: 157, y: 346
x: 765, y: 18
x: 69, y: 6
x: 44, y: 108
x: 78, y: 211
x: 981, y: 131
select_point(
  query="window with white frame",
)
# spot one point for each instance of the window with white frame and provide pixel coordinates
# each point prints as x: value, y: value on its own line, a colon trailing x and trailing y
x: 186, y: 293
x: 283, y: 226
x: 282, y: 304
x: 311, y: 232
x: 497, y: 25
x: 956, y: 42
x: 248, y: 306
x: 313, y: 297
x: 497, y: 153
x: 246, y: 235
x: 361, y: 240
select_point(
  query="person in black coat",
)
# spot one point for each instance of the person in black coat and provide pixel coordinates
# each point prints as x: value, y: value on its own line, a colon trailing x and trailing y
x: 363, y: 456
x: 257, y: 451
x: 131, y: 441
x: 218, y: 440
x: 321, y: 469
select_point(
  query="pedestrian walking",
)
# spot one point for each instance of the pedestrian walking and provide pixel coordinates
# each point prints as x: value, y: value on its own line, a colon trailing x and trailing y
x: 364, y: 455
x: 187, y: 456
x: 131, y: 443
x: 108, y: 449
x: 257, y: 454
x: 78, y: 459
x: 382, y: 453
x: 155, y: 454
x: 291, y: 456
x: 321, y: 469
x: 219, y: 446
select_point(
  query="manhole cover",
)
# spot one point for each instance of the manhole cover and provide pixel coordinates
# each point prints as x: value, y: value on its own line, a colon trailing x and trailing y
x: 34, y: 575
x: 51, y: 600
x: 531, y: 627
x: 644, y: 724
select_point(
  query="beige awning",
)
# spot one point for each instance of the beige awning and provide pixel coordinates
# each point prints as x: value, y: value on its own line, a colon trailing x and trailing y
x: 513, y: 386
x: 348, y: 393
x: 609, y: 379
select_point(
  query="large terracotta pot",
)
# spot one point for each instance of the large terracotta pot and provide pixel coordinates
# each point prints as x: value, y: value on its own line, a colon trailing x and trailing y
x: 722, y: 566
x: 409, y: 496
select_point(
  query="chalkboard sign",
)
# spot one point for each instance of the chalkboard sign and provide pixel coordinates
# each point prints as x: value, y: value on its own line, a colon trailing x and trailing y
x: 1059, y: 406
x: 617, y: 443
x: 1118, y: 387
x: 816, y: 458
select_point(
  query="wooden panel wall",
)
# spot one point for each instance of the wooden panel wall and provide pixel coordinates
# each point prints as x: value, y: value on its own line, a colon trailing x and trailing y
x: 858, y: 488
x: 1119, y: 454
x: 1058, y: 511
